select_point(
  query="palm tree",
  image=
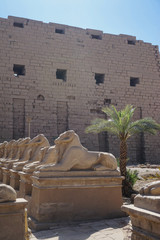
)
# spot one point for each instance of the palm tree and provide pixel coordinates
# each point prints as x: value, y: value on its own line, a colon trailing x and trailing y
x: 120, y: 123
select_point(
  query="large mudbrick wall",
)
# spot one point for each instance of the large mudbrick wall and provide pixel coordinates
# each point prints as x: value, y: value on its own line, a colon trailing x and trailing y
x: 60, y: 77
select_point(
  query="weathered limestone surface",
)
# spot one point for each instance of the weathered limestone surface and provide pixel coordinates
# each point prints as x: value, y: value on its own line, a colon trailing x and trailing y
x: 71, y: 155
x: 1, y: 174
x: 25, y: 187
x: 12, y: 220
x: 151, y: 203
x: 56, y: 103
x: 152, y: 189
x: 2, y: 149
x: 32, y: 152
x: 14, y: 179
x: 7, y: 193
x: 47, y: 156
x: 69, y: 182
x: 6, y: 175
x: 13, y: 152
x: 7, y: 154
x: 74, y: 195
x: 145, y: 213
x: 20, y: 152
x: 145, y: 224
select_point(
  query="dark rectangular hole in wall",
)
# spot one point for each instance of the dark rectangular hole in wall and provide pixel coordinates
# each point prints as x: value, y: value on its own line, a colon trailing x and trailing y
x: 99, y: 37
x: 96, y: 111
x: 60, y: 31
x: 131, y: 42
x: 17, y: 24
x: 134, y: 81
x: 18, y: 70
x: 107, y: 101
x: 61, y: 74
x: 99, y: 78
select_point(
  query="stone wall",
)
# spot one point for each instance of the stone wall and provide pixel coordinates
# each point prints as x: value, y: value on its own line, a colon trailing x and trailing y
x: 61, y: 76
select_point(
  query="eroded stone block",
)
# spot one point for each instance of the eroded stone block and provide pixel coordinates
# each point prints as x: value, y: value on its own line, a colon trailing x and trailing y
x: 12, y: 219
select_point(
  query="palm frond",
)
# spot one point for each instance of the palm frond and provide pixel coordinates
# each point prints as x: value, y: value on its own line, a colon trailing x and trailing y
x: 114, y: 116
x: 120, y: 123
x: 111, y: 112
x: 126, y: 118
x: 120, y: 118
x: 99, y: 125
x: 144, y: 125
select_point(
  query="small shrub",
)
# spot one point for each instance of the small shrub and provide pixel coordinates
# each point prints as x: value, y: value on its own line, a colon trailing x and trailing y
x: 117, y: 161
x: 132, y: 176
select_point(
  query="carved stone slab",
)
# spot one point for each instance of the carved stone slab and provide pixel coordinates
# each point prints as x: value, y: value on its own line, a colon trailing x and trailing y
x: 145, y: 223
x: 74, y: 195
x: 12, y: 220
x: 151, y: 203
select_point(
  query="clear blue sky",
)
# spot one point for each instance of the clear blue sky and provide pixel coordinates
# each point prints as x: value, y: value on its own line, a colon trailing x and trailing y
x: 140, y: 18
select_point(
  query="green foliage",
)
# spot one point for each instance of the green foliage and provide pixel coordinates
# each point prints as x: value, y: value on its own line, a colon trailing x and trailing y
x: 131, y: 176
x: 120, y: 123
x: 118, y: 163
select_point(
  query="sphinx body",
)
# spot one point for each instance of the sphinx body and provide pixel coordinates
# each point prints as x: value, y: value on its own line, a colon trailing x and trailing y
x: 47, y: 155
x: 7, y: 193
x: 2, y: 149
x: 73, y: 156
x: 32, y: 152
x: 151, y: 189
x: 18, y: 153
x: 11, y: 152
x: 7, y: 152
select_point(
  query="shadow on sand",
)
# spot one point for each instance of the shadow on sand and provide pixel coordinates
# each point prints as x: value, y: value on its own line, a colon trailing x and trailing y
x: 107, y: 229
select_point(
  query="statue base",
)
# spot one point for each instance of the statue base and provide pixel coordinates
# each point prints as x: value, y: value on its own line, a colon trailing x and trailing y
x: 1, y: 174
x: 6, y: 176
x: 25, y: 184
x: 145, y: 223
x: 12, y: 219
x: 151, y: 203
x: 74, y: 196
x: 14, y: 179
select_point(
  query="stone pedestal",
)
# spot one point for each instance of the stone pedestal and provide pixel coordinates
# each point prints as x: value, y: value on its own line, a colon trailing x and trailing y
x: 1, y: 175
x: 74, y: 195
x: 151, y: 203
x: 6, y: 176
x: 12, y: 220
x: 25, y: 184
x: 144, y: 217
x: 14, y: 179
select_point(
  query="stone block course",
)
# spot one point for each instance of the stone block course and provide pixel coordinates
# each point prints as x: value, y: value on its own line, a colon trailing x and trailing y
x: 43, y: 51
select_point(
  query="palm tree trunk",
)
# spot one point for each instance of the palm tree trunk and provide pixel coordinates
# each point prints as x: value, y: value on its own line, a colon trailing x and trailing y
x: 123, y: 157
x: 126, y: 186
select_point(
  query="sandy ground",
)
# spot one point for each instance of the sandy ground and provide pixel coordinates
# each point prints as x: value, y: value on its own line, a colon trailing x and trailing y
x: 146, y: 175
